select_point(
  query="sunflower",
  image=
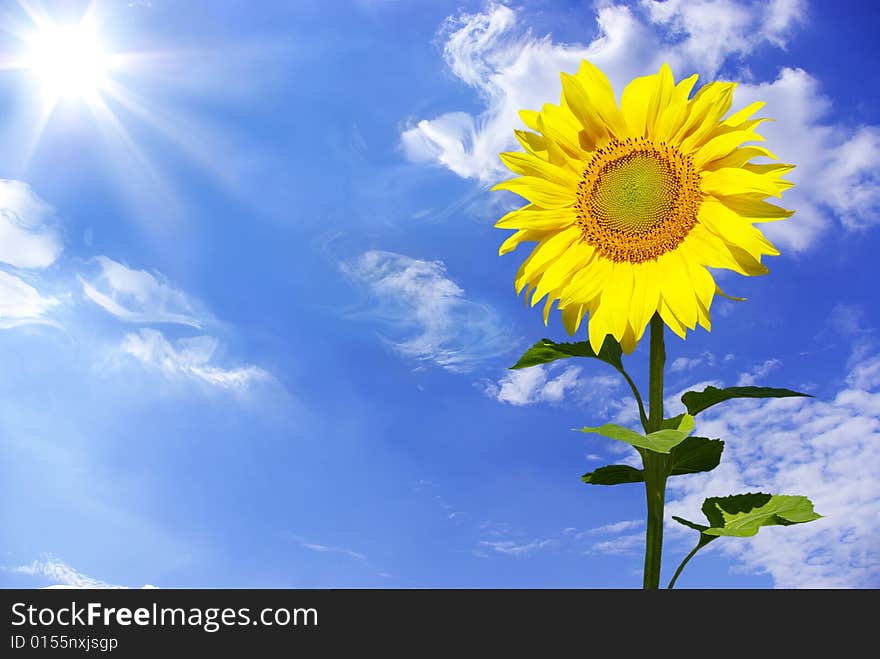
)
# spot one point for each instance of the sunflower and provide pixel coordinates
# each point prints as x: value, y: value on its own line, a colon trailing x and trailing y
x: 631, y: 205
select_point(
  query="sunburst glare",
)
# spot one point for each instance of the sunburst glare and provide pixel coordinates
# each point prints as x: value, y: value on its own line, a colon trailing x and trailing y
x: 68, y: 61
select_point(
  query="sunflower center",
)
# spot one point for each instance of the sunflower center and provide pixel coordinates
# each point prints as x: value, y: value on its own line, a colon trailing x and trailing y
x: 637, y: 200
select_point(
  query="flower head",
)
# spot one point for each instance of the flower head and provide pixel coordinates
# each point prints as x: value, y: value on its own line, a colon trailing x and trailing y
x: 630, y: 205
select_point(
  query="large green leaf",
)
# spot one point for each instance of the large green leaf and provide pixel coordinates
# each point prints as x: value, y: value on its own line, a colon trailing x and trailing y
x: 614, y: 475
x: 545, y: 351
x: 697, y: 401
x: 661, y: 441
x: 742, y: 515
x: 696, y: 454
x: 693, y: 455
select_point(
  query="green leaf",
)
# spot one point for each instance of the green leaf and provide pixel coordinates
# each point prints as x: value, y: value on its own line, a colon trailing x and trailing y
x: 742, y: 515
x: 671, y: 423
x: 614, y: 475
x: 545, y: 351
x: 693, y: 455
x: 696, y: 454
x: 661, y: 441
x: 697, y: 401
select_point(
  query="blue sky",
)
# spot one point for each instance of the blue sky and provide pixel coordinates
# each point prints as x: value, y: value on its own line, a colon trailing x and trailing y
x: 254, y: 331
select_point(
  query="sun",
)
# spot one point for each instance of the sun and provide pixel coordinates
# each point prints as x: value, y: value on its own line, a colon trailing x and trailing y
x: 68, y: 61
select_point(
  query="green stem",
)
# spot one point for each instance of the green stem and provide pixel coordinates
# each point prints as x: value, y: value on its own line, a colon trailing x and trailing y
x: 683, y: 563
x: 655, y: 383
x: 656, y: 464
x: 632, y: 385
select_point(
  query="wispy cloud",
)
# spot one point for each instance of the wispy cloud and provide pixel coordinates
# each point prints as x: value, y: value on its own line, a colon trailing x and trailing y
x: 631, y: 543
x: 710, y: 32
x: 21, y: 303
x: 328, y: 549
x: 138, y: 296
x: 61, y: 575
x: 618, y: 527
x: 419, y: 301
x: 513, y: 548
x: 760, y: 371
x: 551, y: 384
x: 28, y: 241
x: 28, y: 235
x: 532, y: 385
x: 510, y: 68
x: 690, y: 363
x: 192, y: 358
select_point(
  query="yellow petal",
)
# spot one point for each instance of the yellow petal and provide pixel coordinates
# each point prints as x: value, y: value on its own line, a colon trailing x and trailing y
x: 537, y: 218
x: 642, y: 100
x: 707, y: 106
x: 754, y: 210
x: 529, y: 118
x: 601, y: 94
x: 723, y: 145
x: 738, y: 117
x: 676, y: 288
x: 660, y: 100
x: 629, y: 341
x: 592, y: 124
x: 673, y: 115
x: 546, y: 251
x: 530, y: 165
x: 559, y: 273
x: 671, y: 321
x: 701, y: 279
x: 646, y: 296
x: 523, y: 235
x: 572, y: 317
x: 540, y: 191
x: 634, y: 104
x: 548, y: 306
x: 614, y: 303
x: 561, y: 126
x: 740, y: 157
x: 586, y: 284
x: 735, y: 180
x: 775, y: 168
x: 729, y: 226
x: 729, y: 297
x: 598, y: 329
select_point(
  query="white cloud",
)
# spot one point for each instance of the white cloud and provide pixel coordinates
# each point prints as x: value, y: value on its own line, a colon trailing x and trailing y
x: 62, y: 575
x: 761, y: 370
x: 327, y: 549
x: 690, y: 363
x: 532, y: 385
x: 514, y: 548
x: 708, y: 32
x: 511, y: 69
x: 189, y: 358
x: 28, y: 238
x: 551, y: 384
x: 865, y: 373
x: 618, y: 527
x: 21, y: 303
x: 836, y: 174
x: 828, y: 450
x: 418, y: 299
x: 632, y: 543
x: 137, y: 296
